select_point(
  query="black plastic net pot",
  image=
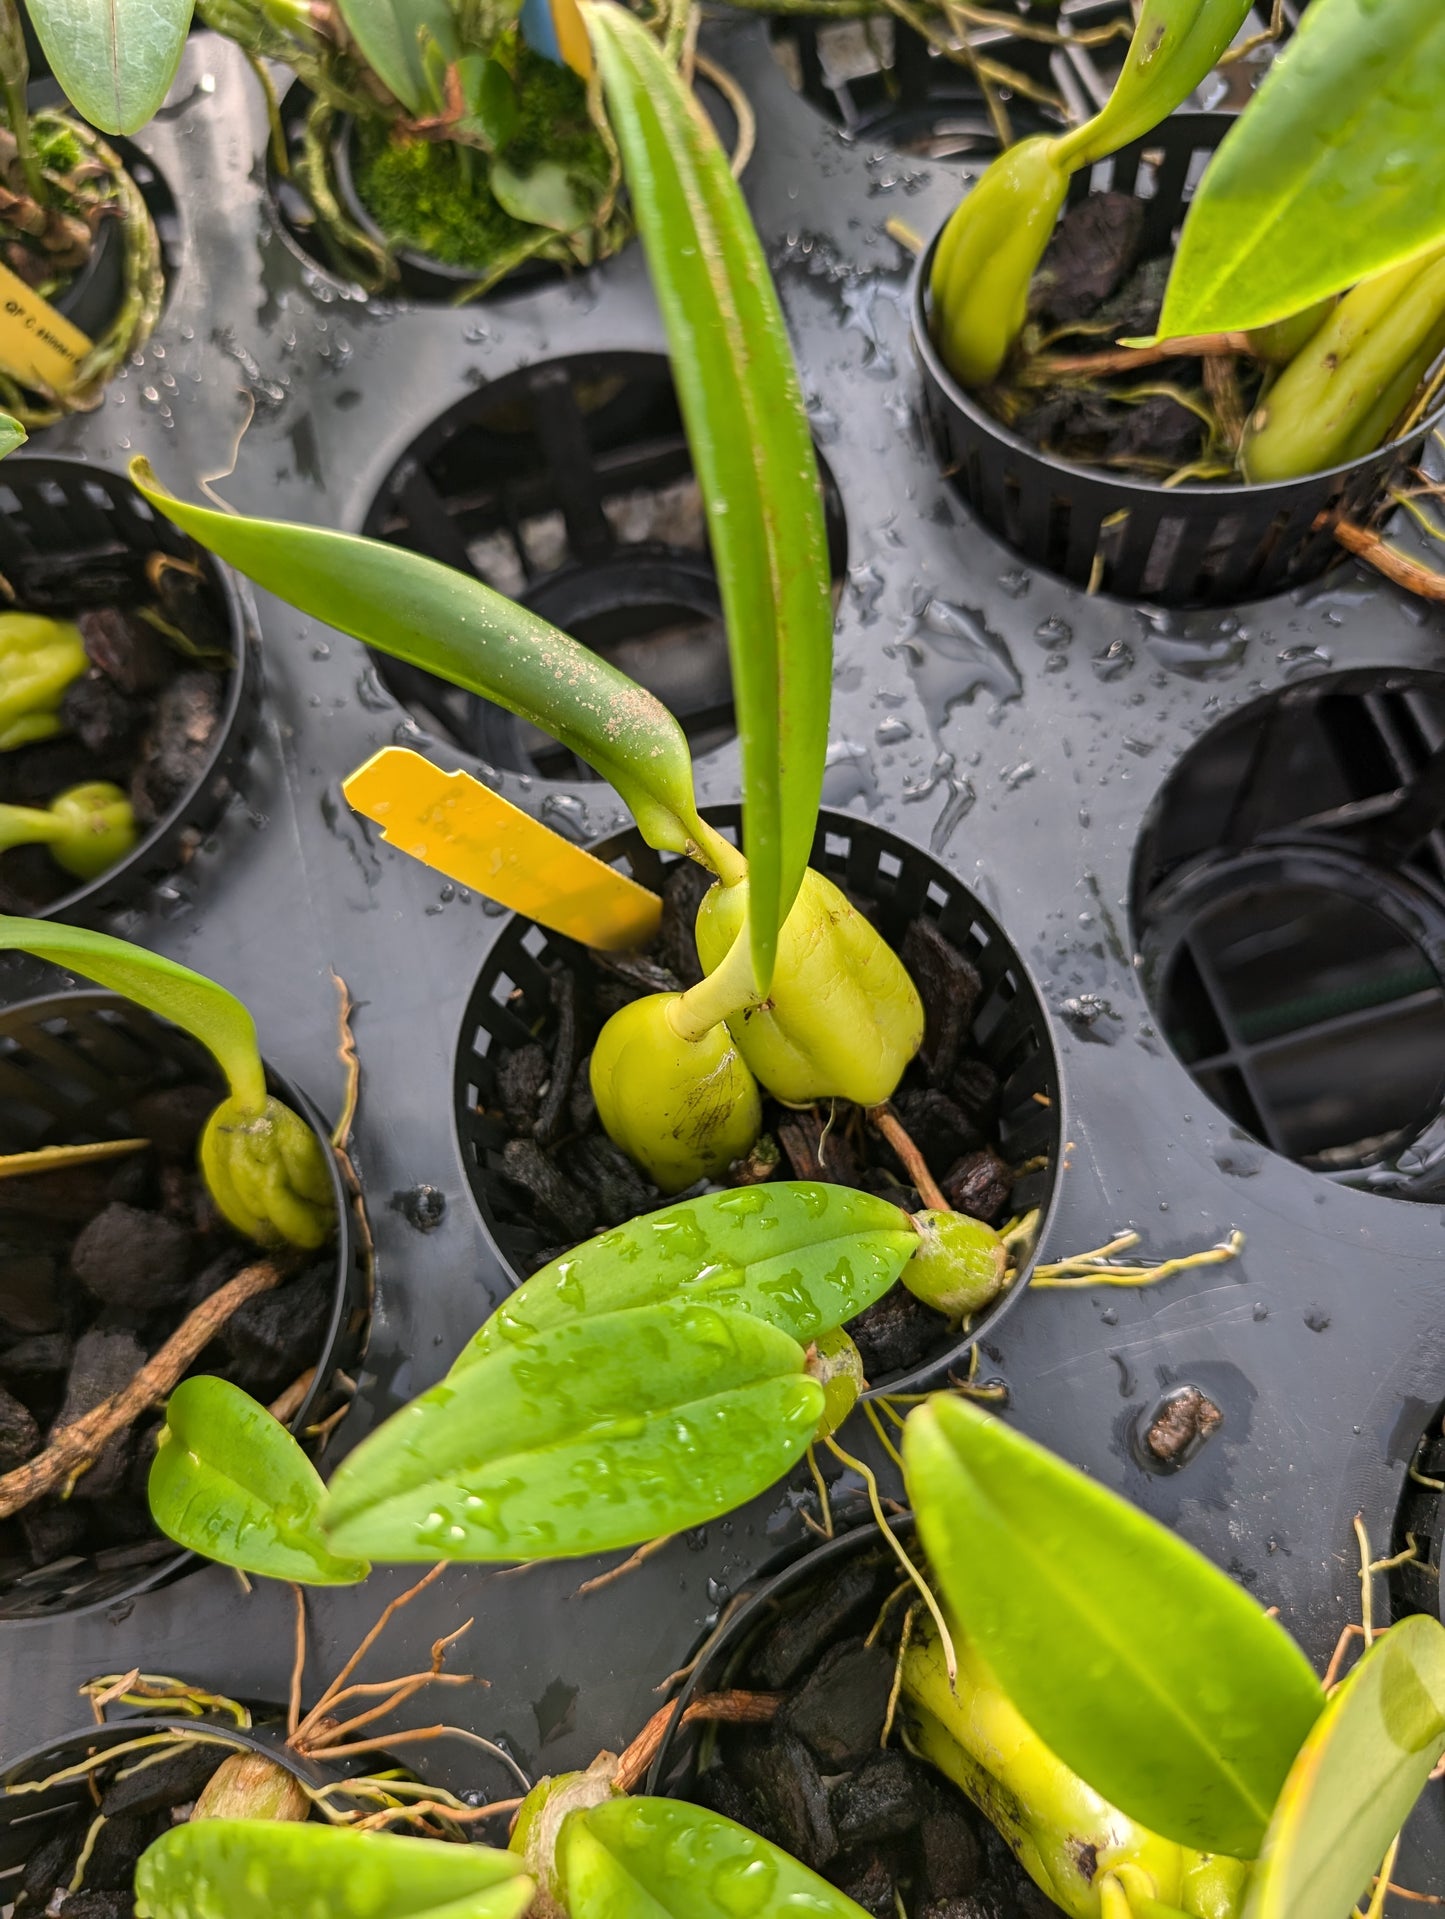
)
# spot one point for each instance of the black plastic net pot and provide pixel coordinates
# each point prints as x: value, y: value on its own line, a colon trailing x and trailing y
x: 574, y: 1185
x: 885, y: 1827
x: 75, y: 538
x: 1420, y: 1528
x: 91, y: 1066
x: 1186, y: 545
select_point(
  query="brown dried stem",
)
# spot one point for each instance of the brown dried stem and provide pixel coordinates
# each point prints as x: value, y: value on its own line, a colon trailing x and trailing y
x: 892, y: 1129
x: 81, y: 1443
x: 1045, y: 367
x: 735, y: 1708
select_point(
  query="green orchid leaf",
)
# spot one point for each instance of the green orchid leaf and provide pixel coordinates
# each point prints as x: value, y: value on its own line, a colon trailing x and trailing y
x: 491, y: 99
x: 598, y: 1433
x: 1175, y: 45
x: 664, y: 1859
x: 542, y: 195
x: 231, y: 1483
x: 1335, y: 171
x: 262, y: 1868
x: 207, y: 1011
x: 391, y: 34
x: 12, y: 435
x: 1149, y: 1673
x: 802, y: 1256
x: 114, y: 62
x: 748, y: 434
x: 450, y: 624
x: 1356, y: 1779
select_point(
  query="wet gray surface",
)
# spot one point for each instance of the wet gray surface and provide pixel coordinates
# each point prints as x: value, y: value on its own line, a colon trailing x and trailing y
x: 1017, y: 728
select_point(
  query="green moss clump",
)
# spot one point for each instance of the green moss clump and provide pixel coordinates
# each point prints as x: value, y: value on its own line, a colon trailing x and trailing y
x: 433, y: 197
x: 56, y: 146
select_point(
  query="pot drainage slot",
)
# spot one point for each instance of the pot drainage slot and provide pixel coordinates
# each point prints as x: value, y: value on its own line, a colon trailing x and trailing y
x: 569, y: 487
x: 879, y: 79
x: 1419, y: 1541
x: 1289, y: 900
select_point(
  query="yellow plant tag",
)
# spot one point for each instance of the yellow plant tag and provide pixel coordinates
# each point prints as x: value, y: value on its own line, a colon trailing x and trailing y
x: 454, y: 824
x: 38, y: 346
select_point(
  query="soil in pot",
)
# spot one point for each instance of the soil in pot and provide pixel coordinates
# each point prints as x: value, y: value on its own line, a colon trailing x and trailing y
x: 99, y: 1264
x: 142, y: 715
x: 574, y: 1181
x: 820, y: 1781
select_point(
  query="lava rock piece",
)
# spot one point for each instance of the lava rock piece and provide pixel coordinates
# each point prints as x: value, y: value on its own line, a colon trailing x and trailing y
x: 105, y: 1360
x: 118, y: 1845
x: 127, y: 649
x: 888, y: 1795
x: 1182, y: 1423
x: 33, y: 775
x: 277, y: 1335
x: 522, y: 1078
x: 722, y: 1792
x: 92, y: 1904
x: 974, y: 1088
x: 52, y: 1532
x: 177, y: 742
x: 972, y: 1905
x: 676, y: 943
x: 52, y: 1862
x: 1157, y: 428
x: 980, y: 1184
x: 791, y: 1799
x: 133, y: 1260
x: 172, y: 1118
x: 868, y: 1878
x: 67, y: 1196
x: 173, y: 1781
x: 939, y: 1128
x: 40, y: 1356
x: 1135, y: 308
x: 566, y: 1050
x: 1093, y: 249
x: 896, y: 1333
x: 639, y: 970
x: 949, y: 986
x: 838, y: 1711
x: 19, y: 1434
x: 844, y: 1601
x: 526, y: 1165
x: 816, y: 1148
x: 103, y: 718
x: 953, y: 1860
x: 31, y: 1300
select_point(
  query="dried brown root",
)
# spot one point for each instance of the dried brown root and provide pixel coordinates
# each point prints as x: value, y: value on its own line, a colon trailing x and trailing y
x: 733, y: 1708
x: 1376, y: 551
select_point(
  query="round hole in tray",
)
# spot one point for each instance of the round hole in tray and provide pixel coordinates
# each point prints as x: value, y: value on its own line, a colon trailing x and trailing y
x: 879, y: 81
x: 568, y: 486
x: 1289, y: 907
x: 511, y: 1005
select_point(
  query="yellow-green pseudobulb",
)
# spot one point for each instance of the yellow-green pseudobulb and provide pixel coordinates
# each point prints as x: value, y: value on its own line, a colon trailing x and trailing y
x: 267, y: 1171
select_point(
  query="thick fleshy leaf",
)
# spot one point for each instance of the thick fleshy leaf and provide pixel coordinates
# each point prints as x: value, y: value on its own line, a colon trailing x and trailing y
x: 598, y: 1433
x: 391, y: 35
x: 1175, y: 44
x: 1357, y: 1776
x: 231, y: 1483
x: 263, y: 1868
x: 1335, y: 170
x: 802, y: 1256
x: 748, y: 434
x: 207, y: 1011
x: 114, y: 59
x: 1148, y: 1672
x: 448, y: 623
x: 664, y: 1859
x: 12, y: 435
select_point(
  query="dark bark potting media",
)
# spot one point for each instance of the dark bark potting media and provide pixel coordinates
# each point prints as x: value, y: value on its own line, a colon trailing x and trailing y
x: 99, y: 1264
x: 880, y: 1824
x: 575, y: 1182
x: 1154, y: 420
x: 143, y: 716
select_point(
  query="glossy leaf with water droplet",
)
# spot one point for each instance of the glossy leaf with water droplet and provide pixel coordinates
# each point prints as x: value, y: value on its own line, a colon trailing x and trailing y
x: 230, y: 1482
x: 260, y: 1868
x: 1356, y: 1779
x: 1149, y: 1673
x: 600, y: 1432
x: 1334, y: 172
x: 799, y: 1254
x: 664, y: 1859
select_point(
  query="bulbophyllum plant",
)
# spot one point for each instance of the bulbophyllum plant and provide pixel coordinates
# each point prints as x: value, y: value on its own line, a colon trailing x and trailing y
x: 1150, y: 1741
x: 471, y: 133
x: 1307, y: 292
x: 642, y: 1384
x: 62, y: 185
